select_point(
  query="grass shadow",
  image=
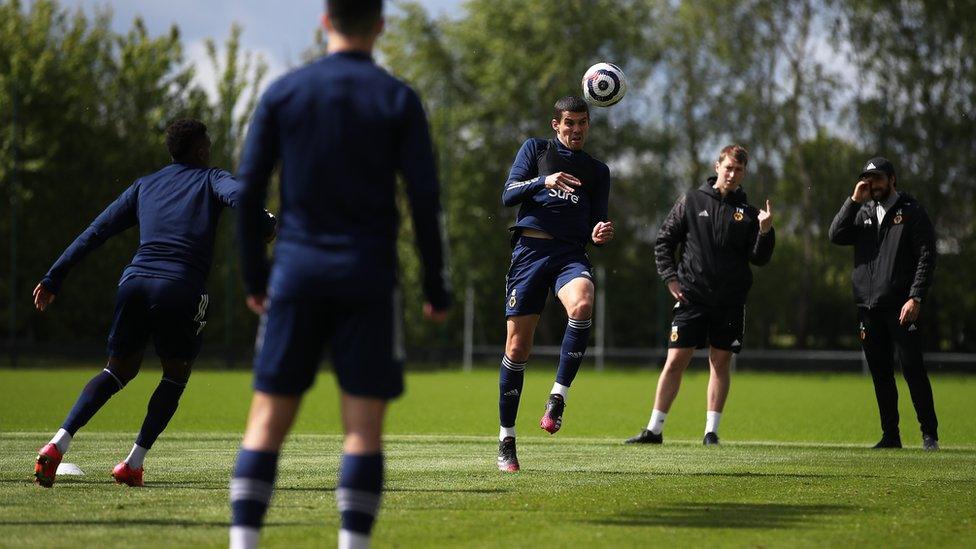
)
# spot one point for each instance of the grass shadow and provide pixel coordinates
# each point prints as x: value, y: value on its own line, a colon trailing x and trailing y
x: 725, y: 515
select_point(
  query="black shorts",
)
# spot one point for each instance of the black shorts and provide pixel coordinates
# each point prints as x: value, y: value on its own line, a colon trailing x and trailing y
x: 172, y: 312
x: 700, y: 326
x: 365, y: 337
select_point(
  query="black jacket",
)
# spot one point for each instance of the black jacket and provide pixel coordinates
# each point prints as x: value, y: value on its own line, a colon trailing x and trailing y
x: 893, y: 264
x: 720, y: 237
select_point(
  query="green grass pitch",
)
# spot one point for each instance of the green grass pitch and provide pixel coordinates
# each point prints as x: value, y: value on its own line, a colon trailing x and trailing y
x: 793, y: 469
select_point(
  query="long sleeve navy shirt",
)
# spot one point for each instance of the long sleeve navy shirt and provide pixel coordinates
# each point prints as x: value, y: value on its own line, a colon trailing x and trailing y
x: 341, y: 129
x: 569, y: 217
x: 177, y: 210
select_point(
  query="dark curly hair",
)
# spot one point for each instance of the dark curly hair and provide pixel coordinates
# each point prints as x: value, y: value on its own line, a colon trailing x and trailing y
x: 183, y: 135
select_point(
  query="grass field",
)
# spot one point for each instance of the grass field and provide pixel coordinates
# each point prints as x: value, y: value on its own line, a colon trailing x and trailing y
x: 793, y: 469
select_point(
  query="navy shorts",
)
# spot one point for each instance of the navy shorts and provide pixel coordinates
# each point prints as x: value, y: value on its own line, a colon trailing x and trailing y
x: 365, y: 337
x: 539, y: 266
x: 172, y: 312
x: 700, y: 326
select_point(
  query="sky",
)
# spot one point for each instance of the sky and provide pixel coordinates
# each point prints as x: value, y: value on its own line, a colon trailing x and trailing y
x: 279, y: 30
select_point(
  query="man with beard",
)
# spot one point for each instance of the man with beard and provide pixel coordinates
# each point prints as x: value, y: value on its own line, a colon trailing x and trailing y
x: 894, y: 259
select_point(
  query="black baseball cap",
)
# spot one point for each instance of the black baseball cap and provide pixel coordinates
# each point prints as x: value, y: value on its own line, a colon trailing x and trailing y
x: 878, y: 165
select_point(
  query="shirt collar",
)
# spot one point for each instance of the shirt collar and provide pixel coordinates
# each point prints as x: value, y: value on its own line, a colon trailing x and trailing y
x: 892, y: 198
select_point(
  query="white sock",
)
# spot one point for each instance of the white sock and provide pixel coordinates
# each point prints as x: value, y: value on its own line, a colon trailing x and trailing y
x: 244, y: 537
x: 62, y: 440
x: 559, y: 389
x: 656, y: 424
x: 136, y: 456
x: 506, y: 432
x: 711, y: 421
x: 353, y: 540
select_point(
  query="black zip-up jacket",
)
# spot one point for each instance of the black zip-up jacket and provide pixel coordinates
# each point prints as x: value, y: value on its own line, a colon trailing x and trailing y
x: 720, y: 237
x: 893, y: 264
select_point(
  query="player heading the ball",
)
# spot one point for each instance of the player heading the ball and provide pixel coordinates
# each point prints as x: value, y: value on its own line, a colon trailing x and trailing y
x: 562, y: 194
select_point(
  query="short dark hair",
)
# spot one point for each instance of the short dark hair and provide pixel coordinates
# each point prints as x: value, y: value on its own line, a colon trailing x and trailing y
x: 354, y: 17
x: 183, y: 135
x: 737, y: 152
x: 570, y: 103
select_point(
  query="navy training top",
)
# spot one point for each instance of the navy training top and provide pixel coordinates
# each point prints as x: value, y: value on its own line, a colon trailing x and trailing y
x: 177, y: 210
x: 341, y: 129
x: 566, y: 216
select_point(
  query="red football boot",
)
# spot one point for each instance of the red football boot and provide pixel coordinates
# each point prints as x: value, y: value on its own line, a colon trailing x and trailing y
x: 552, y: 419
x: 46, y: 466
x: 123, y: 474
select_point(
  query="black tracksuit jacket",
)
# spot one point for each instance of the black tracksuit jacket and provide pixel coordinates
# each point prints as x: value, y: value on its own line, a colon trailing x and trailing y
x: 893, y: 264
x: 720, y: 238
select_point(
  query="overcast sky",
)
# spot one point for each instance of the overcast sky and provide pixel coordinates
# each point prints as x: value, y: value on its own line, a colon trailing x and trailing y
x: 277, y: 30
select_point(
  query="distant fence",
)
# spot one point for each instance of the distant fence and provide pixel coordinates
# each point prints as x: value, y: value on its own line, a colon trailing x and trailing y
x: 752, y: 359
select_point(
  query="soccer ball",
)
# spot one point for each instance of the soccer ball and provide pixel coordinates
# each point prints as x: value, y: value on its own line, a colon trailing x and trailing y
x: 604, y: 84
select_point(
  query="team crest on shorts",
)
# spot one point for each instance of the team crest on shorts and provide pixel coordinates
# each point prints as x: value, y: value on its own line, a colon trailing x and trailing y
x: 863, y: 332
x: 898, y: 219
x: 674, y: 334
x: 739, y: 214
x: 511, y: 300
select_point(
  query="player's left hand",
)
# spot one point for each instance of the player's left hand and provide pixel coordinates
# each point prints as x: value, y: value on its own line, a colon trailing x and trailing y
x: 909, y: 312
x: 766, y: 218
x: 603, y: 232
x: 257, y: 304
x: 42, y: 297
x: 434, y: 315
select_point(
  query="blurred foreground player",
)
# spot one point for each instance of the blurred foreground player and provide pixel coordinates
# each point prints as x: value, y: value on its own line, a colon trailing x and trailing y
x: 894, y: 259
x: 341, y: 129
x: 161, y: 294
x: 562, y: 194
x: 719, y: 234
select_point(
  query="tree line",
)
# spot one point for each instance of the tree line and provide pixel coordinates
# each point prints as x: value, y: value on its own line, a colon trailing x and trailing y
x: 811, y: 87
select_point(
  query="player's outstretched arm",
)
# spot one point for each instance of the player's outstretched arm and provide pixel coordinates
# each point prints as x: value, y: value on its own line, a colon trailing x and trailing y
x: 419, y: 171
x: 117, y: 217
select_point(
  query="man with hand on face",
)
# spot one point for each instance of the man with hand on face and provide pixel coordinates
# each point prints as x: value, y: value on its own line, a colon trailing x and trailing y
x: 720, y: 235
x: 894, y: 259
x: 562, y: 194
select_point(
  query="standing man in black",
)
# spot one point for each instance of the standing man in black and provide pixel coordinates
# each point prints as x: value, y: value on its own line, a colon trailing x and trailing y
x: 894, y: 259
x: 718, y: 235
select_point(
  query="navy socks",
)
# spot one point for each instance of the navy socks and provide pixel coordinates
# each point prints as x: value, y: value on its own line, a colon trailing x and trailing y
x: 511, y: 376
x: 95, y: 394
x: 573, y: 348
x: 162, y: 406
x: 359, y: 490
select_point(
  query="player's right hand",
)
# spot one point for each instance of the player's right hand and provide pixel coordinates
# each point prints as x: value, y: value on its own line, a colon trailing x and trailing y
x: 42, y: 297
x: 434, y: 315
x: 257, y: 304
x: 675, y: 288
x: 562, y: 181
x: 862, y: 191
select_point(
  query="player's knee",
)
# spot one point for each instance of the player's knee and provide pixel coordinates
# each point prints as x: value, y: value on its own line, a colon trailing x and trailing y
x: 124, y: 369
x: 518, y: 349
x: 581, y: 310
x: 177, y: 370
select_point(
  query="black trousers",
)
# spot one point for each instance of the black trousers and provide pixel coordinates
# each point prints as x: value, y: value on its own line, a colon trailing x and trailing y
x: 884, y: 339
